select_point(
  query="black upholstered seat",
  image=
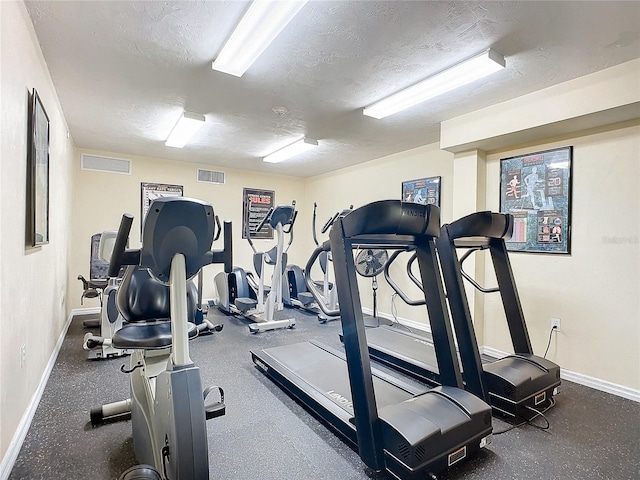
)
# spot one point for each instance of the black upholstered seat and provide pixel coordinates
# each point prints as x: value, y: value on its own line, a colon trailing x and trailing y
x: 143, y: 301
x: 148, y: 335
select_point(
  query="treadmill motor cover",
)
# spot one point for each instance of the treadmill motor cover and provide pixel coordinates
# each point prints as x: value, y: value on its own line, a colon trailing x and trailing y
x: 439, y: 420
x: 518, y: 377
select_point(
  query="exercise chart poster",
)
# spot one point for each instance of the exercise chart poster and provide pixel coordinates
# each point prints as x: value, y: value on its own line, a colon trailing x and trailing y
x: 425, y: 191
x: 536, y: 190
x: 261, y: 202
x: 150, y: 191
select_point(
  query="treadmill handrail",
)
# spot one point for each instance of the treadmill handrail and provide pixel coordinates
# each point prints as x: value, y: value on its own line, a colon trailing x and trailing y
x: 378, y: 220
x: 394, y: 286
x: 468, y: 277
x: 482, y: 225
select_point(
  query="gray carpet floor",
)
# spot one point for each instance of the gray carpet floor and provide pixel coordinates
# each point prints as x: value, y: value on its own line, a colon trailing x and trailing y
x: 266, y: 435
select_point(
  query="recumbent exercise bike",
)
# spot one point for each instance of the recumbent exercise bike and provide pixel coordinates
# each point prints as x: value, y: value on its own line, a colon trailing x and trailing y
x: 168, y: 405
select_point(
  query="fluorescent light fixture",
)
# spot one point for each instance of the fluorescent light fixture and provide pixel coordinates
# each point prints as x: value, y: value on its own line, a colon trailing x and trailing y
x: 188, y: 124
x: 262, y: 22
x: 292, y: 150
x: 465, y: 72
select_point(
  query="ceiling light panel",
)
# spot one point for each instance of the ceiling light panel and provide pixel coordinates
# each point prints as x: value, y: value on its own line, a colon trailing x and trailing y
x: 188, y: 124
x: 292, y: 150
x: 262, y: 22
x: 461, y: 74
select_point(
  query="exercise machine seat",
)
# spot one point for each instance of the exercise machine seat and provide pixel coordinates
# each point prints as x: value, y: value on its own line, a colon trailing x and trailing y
x: 147, y: 336
x: 143, y: 302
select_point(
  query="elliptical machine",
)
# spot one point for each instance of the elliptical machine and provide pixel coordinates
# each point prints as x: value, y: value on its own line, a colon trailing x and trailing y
x: 238, y: 293
x: 327, y: 299
x: 294, y: 287
x: 168, y: 406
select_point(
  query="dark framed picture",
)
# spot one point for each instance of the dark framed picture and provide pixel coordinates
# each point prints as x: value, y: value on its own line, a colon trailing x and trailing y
x: 259, y: 202
x: 425, y: 191
x: 38, y: 173
x: 150, y: 191
x: 536, y: 189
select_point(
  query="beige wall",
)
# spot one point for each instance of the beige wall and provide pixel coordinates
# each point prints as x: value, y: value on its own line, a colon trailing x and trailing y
x: 33, y: 281
x: 377, y: 180
x: 101, y: 198
x: 595, y: 290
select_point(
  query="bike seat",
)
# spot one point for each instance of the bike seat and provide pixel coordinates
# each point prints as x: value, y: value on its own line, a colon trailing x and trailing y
x: 147, y: 336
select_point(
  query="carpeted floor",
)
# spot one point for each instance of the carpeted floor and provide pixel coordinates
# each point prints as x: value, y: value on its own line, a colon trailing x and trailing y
x: 266, y: 435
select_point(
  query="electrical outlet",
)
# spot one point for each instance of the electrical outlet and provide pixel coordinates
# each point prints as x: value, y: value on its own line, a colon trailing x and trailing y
x: 23, y: 355
x: 555, y: 323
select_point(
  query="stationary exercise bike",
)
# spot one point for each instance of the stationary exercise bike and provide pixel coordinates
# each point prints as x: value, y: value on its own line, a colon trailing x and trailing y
x: 110, y: 319
x: 168, y: 406
x: 238, y: 293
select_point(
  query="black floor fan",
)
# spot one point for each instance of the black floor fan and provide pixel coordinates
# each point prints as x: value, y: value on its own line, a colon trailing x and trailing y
x: 370, y: 263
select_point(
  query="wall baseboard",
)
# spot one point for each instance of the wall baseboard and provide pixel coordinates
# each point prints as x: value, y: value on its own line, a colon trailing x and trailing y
x: 84, y: 311
x: 12, y: 452
x: 586, y: 380
x: 575, y: 377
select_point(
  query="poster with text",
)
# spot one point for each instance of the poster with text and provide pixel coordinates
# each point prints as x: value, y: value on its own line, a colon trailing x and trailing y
x: 536, y: 190
x: 151, y: 191
x: 260, y: 202
x: 425, y: 191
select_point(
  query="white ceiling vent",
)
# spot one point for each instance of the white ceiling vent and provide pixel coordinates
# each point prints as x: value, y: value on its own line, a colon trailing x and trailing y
x: 106, y: 164
x: 210, y: 176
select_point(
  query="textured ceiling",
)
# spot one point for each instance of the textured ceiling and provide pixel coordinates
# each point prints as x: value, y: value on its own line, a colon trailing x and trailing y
x: 125, y: 70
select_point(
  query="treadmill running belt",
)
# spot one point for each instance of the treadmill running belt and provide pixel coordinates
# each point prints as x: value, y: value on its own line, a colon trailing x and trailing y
x: 317, y: 375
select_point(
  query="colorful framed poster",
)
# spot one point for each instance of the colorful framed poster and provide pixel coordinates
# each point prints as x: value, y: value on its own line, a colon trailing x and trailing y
x: 536, y: 189
x: 259, y: 202
x: 38, y: 174
x: 150, y: 191
x: 425, y: 191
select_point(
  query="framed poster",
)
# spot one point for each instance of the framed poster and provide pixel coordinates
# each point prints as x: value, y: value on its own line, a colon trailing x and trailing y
x: 536, y: 190
x: 425, y: 191
x: 260, y: 201
x: 38, y: 174
x: 150, y: 191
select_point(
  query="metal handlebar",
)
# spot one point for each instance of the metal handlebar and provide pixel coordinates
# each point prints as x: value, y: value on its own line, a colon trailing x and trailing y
x: 312, y: 287
x: 395, y: 287
x: 313, y: 225
x: 218, y: 229
x: 120, y: 255
x: 264, y: 220
x: 468, y: 277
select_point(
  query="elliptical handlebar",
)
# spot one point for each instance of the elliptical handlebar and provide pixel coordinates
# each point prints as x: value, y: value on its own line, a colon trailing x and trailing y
x: 266, y: 218
x: 329, y: 223
x: 218, y: 229
x: 313, y: 225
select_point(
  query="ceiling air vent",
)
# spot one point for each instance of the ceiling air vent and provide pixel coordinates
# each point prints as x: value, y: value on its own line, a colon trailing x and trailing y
x: 210, y: 176
x: 106, y: 164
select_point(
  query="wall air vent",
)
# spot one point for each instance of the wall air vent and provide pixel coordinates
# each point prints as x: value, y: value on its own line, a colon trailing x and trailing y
x: 210, y: 176
x: 99, y: 163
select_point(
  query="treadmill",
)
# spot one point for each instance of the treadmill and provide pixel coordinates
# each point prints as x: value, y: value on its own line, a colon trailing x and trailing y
x: 413, y: 433
x: 517, y: 386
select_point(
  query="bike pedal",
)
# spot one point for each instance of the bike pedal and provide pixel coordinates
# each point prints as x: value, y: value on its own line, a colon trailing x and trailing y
x: 215, y: 410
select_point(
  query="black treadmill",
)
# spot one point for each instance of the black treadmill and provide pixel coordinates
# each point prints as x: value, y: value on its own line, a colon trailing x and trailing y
x: 412, y: 433
x: 517, y: 385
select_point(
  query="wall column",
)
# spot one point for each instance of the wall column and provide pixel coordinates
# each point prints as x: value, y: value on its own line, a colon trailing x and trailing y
x: 469, y: 194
